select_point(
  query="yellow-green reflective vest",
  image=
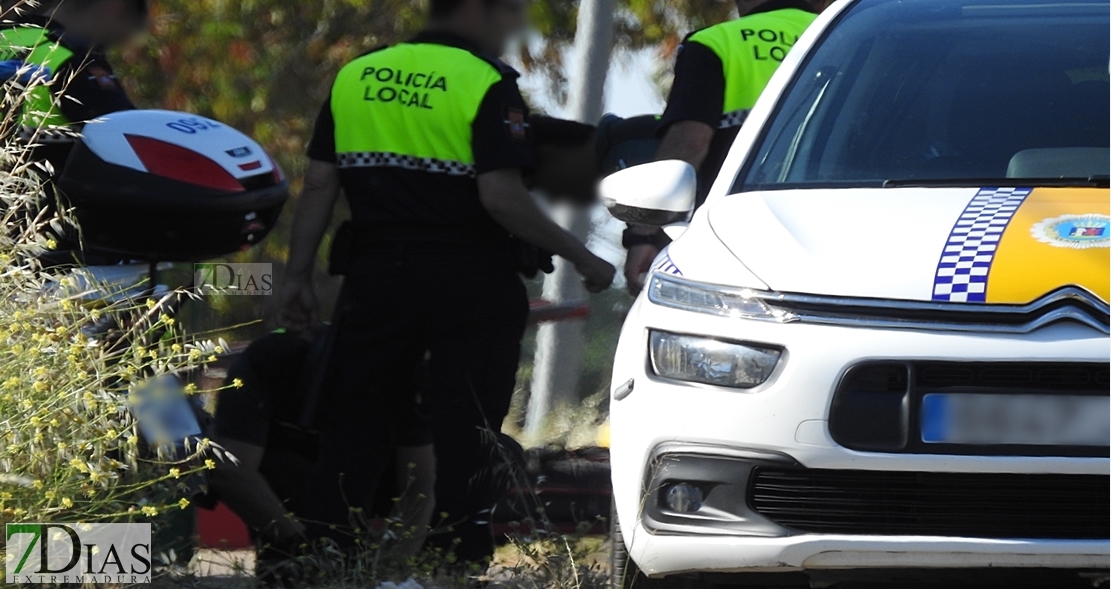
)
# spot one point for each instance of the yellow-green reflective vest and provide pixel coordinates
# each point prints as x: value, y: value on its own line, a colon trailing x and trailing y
x: 751, y: 49
x: 410, y: 106
x: 34, y: 46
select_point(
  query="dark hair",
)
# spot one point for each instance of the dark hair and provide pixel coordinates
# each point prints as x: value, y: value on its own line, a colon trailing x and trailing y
x: 136, y: 7
x: 445, y: 8
x: 559, y: 132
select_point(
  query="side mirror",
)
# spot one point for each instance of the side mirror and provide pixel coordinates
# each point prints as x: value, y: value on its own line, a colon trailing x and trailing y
x: 658, y: 194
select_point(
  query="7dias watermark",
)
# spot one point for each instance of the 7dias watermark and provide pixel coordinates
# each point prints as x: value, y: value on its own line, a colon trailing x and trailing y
x: 234, y: 279
x: 77, y: 553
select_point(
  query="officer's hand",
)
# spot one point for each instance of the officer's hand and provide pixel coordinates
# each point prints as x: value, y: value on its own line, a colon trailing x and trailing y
x: 637, y: 264
x: 597, y: 273
x: 299, y: 310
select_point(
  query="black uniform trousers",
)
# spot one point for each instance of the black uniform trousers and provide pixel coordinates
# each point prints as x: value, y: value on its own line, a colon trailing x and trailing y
x: 464, y: 307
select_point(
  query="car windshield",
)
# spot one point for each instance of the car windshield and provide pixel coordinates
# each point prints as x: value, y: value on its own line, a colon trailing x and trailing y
x: 937, y: 92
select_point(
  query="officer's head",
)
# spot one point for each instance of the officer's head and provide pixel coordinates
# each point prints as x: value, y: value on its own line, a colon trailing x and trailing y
x: 490, y: 23
x: 567, y: 161
x: 103, y: 23
x: 745, y: 7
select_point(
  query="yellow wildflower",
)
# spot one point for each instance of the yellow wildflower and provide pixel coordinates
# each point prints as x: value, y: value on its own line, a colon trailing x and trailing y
x: 175, y: 472
x: 183, y: 503
x: 210, y: 464
x: 67, y: 502
x: 237, y: 383
x: 150, y: 510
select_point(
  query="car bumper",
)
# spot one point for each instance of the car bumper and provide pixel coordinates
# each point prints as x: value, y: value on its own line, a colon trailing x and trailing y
x: 788, y: 417
x: 665, y: 555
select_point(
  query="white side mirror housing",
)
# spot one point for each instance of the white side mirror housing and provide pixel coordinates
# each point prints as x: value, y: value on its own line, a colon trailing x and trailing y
x: 657, y: 194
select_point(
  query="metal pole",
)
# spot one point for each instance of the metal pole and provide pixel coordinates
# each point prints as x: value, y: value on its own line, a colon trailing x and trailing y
x: 559, y: 346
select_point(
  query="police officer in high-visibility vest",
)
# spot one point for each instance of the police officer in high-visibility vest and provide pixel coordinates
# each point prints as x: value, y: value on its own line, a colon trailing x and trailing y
x: 66, y: 39
x: 428, y: 140
x: 719, y: 73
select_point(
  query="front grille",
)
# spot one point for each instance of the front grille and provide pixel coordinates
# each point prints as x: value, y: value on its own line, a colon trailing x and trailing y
x: 972, y: 505
x: 877, y: 405
x: 1057, y: 376
x: 1069, y: 304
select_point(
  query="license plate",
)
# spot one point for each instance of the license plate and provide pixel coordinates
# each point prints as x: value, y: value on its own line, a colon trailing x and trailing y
x: 1035, y: 420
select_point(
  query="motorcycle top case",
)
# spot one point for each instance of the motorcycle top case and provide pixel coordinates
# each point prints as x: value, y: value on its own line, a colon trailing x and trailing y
x: 163, y: 185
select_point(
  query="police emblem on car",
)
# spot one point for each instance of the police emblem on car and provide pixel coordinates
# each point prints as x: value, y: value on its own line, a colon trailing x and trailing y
x: 1075, y: 231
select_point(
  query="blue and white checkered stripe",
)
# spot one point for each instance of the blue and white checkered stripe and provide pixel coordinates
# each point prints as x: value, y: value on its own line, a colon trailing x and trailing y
x: 962, y: 272
x: 666, y: 266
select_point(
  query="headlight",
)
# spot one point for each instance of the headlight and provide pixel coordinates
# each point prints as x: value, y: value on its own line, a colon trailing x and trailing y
x: 710, y: 361
x: 677, y: 293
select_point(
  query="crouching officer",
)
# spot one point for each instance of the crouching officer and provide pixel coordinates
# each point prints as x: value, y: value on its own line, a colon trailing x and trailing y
x: 428, y: 140
x: 720, y: 72
x: 67, y: 38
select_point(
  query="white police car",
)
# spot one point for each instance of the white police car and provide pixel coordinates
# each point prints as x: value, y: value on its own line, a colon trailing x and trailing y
x: 880, y: 348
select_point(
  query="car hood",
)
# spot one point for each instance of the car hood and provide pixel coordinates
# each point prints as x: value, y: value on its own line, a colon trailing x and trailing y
x: 985, y: 245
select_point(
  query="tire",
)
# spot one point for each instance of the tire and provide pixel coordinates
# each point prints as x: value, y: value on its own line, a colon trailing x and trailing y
x: 620, y: 563
x: 624, y: 573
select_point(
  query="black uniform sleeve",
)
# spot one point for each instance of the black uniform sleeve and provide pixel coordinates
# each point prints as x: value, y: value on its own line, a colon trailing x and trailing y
x: 698, y: 92
x: 500, y: 137
x: 322, y: 146
x: 89, y: 89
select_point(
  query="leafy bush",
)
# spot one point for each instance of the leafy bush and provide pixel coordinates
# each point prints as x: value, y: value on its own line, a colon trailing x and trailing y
x: 73, y: 352
x: 70, y: 448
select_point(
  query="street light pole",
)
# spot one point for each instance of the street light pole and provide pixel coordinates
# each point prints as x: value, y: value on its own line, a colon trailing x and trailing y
x: 559, y: 346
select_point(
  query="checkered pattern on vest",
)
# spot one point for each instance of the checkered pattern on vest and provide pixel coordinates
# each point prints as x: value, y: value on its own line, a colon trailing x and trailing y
x: 962, y: 272
x: 379, y: 159
x: 733, y: 119
x: 46, y: 135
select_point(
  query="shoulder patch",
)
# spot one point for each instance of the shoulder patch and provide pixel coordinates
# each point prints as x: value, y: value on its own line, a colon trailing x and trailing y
x: 103, y: 78
x: 516, y: 123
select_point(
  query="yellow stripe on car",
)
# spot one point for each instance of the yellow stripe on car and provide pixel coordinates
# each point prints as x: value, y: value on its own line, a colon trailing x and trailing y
x: 1059, y: 237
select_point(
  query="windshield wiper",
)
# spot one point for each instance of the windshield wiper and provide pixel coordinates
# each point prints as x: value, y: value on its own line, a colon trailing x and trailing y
x: 1097, y: 181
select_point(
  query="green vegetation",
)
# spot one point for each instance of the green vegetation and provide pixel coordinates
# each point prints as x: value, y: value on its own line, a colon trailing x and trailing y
x: 71, y: 361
